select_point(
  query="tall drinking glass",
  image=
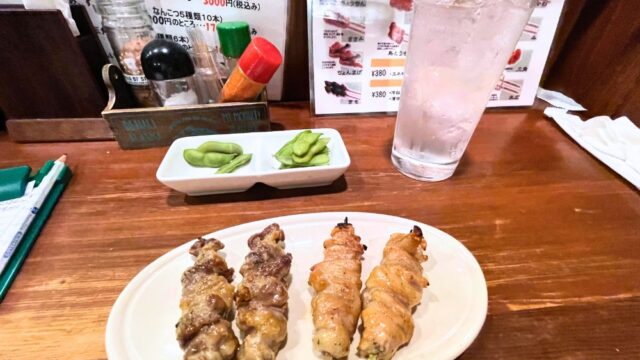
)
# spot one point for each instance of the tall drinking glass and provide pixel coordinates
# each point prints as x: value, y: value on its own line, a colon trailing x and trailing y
x: 457, y: 51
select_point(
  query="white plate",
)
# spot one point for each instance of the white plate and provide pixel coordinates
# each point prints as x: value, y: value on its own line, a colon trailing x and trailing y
x: 177, y: 174
x: 142, y: 321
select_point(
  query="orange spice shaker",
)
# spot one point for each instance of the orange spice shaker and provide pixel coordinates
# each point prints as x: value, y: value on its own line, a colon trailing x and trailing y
x: 256, y: 66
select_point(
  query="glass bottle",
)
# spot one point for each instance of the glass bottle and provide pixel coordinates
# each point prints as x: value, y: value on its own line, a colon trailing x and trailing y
x: 128, y: 27
x: 208, y: 79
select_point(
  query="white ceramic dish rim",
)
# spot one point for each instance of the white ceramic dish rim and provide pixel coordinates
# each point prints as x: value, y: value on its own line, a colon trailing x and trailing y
x: 163, y: 175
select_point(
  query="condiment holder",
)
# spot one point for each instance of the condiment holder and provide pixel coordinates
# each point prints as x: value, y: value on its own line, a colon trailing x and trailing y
x: 137, y: 128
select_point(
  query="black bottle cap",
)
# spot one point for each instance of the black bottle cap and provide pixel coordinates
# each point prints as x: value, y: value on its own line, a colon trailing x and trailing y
x: 165, y: 60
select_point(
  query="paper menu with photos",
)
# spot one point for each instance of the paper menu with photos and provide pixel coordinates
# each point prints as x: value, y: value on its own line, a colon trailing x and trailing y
x: 171, y: 18
x: 358, y: 53
x: 520, y: 80
x: 359, y: 47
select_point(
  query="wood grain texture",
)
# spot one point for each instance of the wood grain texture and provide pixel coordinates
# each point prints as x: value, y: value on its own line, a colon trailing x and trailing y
x: 45, y: 73
x: 296, y: 60
x: 598, y: 63
x: 555, y: 232
x: 570, y: 13
x: 70, y: 129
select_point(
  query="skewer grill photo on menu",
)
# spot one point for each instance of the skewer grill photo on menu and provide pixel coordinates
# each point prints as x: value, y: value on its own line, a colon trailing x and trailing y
x: 343, y: 22
x: 340, y: 90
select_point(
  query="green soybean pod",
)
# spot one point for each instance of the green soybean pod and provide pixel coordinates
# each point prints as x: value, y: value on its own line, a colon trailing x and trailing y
x: 220, y: 147
x: 284, y: 155
x: 194, y: 157
x: 304, y: 143
x: 215, y: 159
x: 319, y: 159
x: 290, y: 142
x: 316, y: 148
x: 237, y: 162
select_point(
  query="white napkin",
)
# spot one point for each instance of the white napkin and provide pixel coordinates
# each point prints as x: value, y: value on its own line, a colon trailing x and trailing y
x: 62, y: 5
x: 559, y: 100
x: 614, y: 142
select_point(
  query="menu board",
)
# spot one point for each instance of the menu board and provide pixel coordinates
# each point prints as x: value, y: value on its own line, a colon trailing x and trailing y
x: 171, y: 18
x: 358, y: 50
x: 520, y: 80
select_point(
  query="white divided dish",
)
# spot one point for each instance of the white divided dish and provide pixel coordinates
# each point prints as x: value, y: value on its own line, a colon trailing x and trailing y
x: 453, y: 309
x: 177, y: 174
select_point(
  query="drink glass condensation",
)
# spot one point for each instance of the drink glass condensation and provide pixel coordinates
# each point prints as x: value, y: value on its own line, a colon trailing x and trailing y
x: 457, y: 51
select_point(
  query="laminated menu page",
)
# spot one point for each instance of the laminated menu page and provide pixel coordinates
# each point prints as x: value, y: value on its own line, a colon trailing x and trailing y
x: 358, y: 49
x: 519, y: 82
x: 171, y: 18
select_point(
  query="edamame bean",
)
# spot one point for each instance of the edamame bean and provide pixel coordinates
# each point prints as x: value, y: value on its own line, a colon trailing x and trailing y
x: 302, y: 145
x: 284, y: 155
x: 215, y: 159
x: 237, y: 162
x: 319, y: 159
x: 194, y: 157
x: 220, y: 147
x: 316, y: 148
x: 290, y: 142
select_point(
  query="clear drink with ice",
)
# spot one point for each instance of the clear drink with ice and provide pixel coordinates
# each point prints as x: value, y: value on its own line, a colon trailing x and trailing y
x: 457, y: 51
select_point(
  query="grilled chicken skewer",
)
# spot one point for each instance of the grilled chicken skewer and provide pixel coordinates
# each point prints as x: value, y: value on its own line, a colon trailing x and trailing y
x: 336, y: 280
x: 261, y: 298
x: 392, y: 290
x: 204, y: 330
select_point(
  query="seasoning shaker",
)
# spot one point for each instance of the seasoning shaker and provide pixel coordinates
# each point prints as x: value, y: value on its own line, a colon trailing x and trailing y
x: 169, y: 68
x: 255, y: 68
x: 234, y: 36
x: 129, y: 28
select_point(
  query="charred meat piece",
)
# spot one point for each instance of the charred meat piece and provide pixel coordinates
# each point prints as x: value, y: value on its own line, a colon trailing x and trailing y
x: 344, y: 54
x: 204, y: 330
x: 336, y: 281
x: 261, y: 298
x: 332, y: 87
x: 404, y: 5
x: 337, y: 48
x: 347, y: 58
x: 396, y: 33
x: 391, y: 292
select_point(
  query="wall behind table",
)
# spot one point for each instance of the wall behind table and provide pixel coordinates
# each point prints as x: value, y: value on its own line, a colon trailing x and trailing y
x: 596, y: 60
x: 296, y: 65
x: 45, y: 71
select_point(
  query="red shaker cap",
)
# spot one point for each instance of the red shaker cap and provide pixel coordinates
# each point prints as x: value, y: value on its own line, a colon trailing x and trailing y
x: 260, y: 60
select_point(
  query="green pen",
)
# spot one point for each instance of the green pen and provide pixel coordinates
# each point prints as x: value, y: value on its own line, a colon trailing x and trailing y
x: 44, y: 170
x: 30, y: 234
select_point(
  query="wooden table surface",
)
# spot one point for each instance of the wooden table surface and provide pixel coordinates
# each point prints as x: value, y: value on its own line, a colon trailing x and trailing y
x: 555, y: 231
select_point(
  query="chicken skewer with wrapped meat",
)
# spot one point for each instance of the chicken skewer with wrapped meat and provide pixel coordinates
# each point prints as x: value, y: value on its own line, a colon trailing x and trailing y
x: 391, y: 292
x: 336, y: 280
x: 204, y: 330
x: 261, y: 297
